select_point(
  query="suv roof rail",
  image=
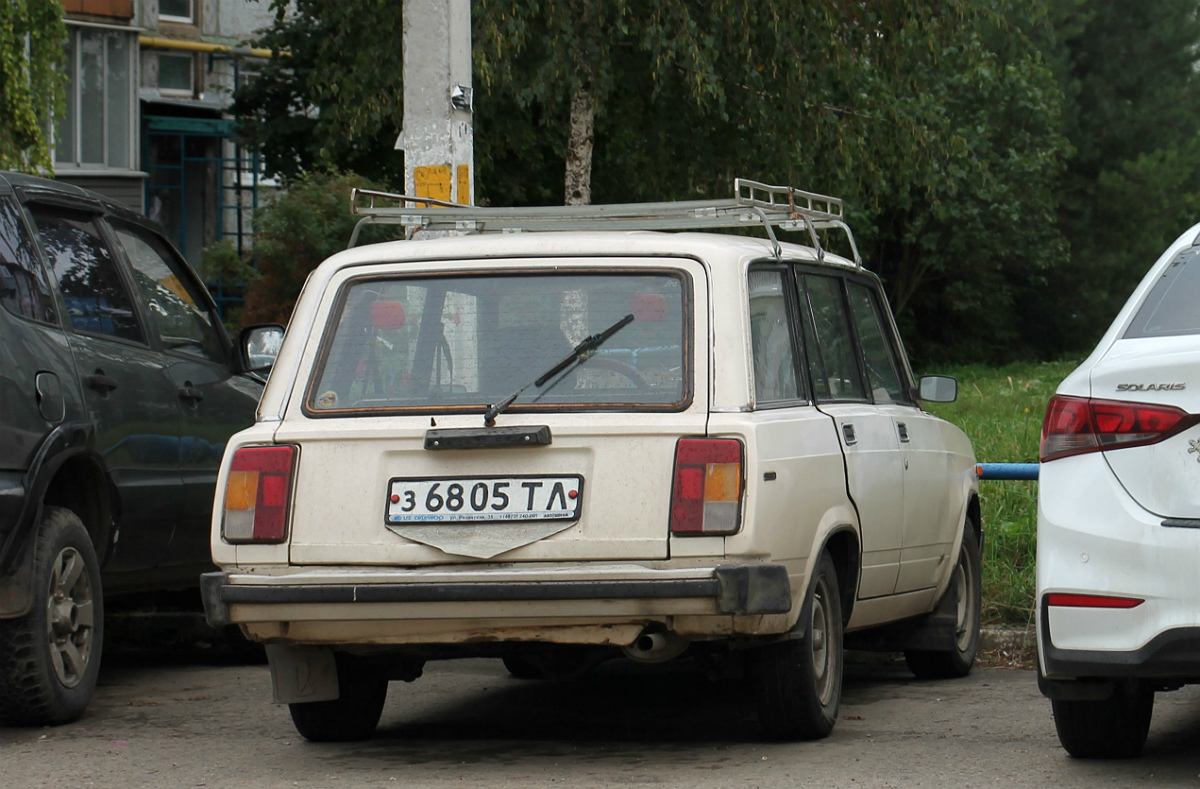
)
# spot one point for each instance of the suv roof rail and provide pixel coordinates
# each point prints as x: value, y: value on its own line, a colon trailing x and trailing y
x: 753, y: 204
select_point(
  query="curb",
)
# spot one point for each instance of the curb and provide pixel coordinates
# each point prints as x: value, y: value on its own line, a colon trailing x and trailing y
x: 1008, y: 647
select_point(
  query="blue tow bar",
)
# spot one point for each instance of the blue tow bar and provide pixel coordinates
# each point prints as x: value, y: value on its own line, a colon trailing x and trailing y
x: 1002, y: 471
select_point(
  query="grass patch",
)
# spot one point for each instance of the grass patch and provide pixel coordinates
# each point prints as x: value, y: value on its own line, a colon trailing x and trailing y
x: 1001, y: 410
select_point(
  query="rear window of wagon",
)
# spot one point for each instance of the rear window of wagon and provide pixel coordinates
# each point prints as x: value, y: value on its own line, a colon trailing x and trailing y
x: 462, y: 343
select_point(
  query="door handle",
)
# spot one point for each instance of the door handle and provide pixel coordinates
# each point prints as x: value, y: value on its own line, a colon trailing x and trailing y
x: 100, y: 382
x: 902, y: 429
x: 189, y: 393
x: 848, y: 433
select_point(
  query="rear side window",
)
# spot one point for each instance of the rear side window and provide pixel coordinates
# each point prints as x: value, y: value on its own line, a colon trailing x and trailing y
x: 771, y: 338
x: 1173, y: 305
x: 467, y: 342
x: 97, y: 301
x: 23, y: 287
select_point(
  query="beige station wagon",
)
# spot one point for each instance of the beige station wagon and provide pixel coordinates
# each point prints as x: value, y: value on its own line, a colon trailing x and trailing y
x: 562, y: 435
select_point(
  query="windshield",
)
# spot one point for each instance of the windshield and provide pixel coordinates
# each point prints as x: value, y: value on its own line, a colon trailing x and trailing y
x: 463, y: 343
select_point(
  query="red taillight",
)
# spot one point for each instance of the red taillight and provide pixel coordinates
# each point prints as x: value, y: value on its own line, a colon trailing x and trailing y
x: 256, y: 494
x: 706, y: 497
x: 1075, y: 425
x: 1092, y: 601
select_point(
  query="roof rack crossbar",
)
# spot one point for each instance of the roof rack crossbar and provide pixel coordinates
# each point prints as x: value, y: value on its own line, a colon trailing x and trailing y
x: 753, y: 204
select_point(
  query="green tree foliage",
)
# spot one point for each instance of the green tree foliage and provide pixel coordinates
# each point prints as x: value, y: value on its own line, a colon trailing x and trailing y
x: 333, y: 95
x: 309, y: 222
x: 1129, y: 71
x: 938, y: 122
x: 32, y: 81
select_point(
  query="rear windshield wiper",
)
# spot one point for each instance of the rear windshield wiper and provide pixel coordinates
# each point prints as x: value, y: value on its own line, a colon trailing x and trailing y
x: 581, y: 351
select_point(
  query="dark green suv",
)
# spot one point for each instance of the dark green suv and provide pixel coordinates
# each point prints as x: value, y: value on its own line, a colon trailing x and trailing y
x: 118, y: 389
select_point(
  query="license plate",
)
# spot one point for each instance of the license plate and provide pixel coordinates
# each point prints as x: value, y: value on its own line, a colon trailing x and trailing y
x: 475, y: 499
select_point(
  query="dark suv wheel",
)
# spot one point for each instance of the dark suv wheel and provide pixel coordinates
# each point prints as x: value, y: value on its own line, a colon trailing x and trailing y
x: 51, y: 656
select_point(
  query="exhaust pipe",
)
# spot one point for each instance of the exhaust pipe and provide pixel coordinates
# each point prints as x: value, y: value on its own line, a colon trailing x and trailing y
x: 656, y: 646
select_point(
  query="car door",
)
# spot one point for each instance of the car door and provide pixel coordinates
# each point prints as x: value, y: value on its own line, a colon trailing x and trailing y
x: 874, y: 469
x: 928, y: 522
x: 215, y: 403
x: 124, y: 381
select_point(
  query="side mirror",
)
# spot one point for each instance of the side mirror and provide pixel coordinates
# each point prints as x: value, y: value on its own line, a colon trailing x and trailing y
x: 258, y: 346
x: 938, y: 389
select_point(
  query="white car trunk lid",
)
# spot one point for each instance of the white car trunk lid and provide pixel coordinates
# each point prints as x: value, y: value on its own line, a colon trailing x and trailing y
x: 1163, y: 477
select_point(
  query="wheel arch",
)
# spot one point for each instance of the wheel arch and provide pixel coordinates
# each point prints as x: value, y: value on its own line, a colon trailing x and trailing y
x: 65, y: 471
x: 845, y: 548
x: 81, y: 485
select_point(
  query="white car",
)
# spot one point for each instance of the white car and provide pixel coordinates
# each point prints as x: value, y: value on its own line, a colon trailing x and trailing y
x: 1118, y: 543
x: 559, y: 447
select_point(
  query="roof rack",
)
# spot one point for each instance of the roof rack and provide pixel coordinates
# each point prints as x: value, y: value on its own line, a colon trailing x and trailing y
x: 753, y: 204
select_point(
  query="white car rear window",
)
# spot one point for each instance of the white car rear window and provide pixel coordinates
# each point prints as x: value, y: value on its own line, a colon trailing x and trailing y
x: 466, y: 342
x: 1173, y: 304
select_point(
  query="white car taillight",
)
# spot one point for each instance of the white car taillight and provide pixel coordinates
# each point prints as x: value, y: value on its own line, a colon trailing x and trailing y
x: 706, y: 497
x: 257, y: 494
x: 1075, y: 425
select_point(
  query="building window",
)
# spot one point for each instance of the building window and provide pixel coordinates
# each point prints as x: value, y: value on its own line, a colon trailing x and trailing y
x: 97, y: 126
x: 176, y: 11
x: 175, y: 74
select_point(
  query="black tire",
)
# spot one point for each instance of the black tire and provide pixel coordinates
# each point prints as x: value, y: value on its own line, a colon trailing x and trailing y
x: 798, y: 683
x: 1115, y: 728
x: 50, y: 658
x: 353, y: 715
x: 522, y: 668
x: 957, y: 661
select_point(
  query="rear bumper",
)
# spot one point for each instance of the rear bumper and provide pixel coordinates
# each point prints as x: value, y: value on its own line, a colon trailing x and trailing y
x: 494, y: 594
x: 1094, y: 539
x: 1172, y: 655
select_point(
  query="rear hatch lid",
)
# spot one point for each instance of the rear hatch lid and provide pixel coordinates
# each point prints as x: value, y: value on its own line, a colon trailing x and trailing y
x: 397, y: 465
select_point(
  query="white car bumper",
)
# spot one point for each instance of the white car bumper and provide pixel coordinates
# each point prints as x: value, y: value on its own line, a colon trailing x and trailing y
x: 1094, y: 539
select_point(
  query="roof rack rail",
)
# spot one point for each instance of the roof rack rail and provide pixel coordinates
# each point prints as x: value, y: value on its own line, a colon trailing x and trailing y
x: 753, y: 204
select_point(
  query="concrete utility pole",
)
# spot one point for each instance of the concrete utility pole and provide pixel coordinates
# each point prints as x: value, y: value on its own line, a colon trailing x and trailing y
x: 438, y: 138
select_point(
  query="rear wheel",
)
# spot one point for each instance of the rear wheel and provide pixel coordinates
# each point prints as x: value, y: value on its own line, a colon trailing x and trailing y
x: 798, y: 683
x: 1114, y: 728
x: 50, y: 658
x: 354, y: 714
x: 968, y: 580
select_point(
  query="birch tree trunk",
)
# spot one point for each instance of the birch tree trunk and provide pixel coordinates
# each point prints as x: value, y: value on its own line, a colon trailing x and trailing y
x: 579, y: 147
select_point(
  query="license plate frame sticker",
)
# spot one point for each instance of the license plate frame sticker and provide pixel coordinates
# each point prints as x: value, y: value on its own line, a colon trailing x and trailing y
x: 502, y: 499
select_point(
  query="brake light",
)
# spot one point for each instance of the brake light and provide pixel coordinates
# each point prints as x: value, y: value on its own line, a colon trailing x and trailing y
x: 706, y: 496
x: 1075, y: 425
x: 1092, y: 601
x: 257, y: 494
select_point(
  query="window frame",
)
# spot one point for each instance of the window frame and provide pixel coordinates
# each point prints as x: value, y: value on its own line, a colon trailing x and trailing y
x: 73, y: 105
x: 47, y: 277
x: 187, y: 276
x: 799, y: 359
x: 180, y: 92
x: 108, y: 239
x: 839, y: 277
x: 182, y: 20
x: 332, y: 320
x: 890, y: 336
